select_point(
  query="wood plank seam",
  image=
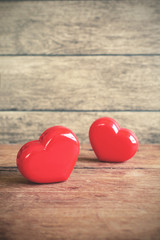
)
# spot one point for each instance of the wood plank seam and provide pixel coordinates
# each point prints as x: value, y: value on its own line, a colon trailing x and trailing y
x: 83, y: 55
x: 77, y: 167
x: 77, y: 110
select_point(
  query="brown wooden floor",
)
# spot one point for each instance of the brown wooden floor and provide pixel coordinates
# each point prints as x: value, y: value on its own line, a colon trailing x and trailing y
x: 99, y: 200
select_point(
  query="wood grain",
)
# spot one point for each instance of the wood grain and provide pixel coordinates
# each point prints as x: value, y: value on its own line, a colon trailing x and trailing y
x: 20, y: 127
x: 147, y: 157
x: 85, y: 83
x: 94, y: 203
x: 80, y: 27
x: 120, y: 204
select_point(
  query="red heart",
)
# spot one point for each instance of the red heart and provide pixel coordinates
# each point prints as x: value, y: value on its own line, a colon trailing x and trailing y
x: 51, y: 158
x: 110, y: 142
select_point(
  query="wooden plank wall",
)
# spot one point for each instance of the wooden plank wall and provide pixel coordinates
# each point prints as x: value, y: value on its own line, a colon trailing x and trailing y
x: 70, y: 62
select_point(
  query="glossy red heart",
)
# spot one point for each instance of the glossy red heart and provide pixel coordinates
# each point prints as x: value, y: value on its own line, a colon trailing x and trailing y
x: 51, y: 158
x: 110, y: 142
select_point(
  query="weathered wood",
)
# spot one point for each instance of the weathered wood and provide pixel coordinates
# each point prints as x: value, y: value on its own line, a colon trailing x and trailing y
x: 92, y: 204
x: 147, y: 157
x: 80, y: 27
x: 96, y: 203
x: 102, y: 83
x: 20, y: 127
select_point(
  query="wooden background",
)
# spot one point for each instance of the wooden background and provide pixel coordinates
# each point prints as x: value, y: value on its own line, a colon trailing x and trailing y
x: 70, y: 62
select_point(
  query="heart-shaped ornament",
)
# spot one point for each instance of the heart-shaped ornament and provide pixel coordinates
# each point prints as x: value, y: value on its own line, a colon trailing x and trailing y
x: 110, y: 142
x: 51, y: 158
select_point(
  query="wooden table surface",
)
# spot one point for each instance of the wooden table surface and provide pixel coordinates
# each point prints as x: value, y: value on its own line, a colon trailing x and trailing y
x: 98, y: 201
